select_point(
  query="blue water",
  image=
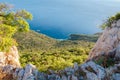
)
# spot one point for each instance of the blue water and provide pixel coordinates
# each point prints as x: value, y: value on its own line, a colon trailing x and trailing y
x: 59, y: 18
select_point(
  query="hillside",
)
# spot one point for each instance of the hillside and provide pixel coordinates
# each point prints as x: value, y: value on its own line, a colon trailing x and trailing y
x: 33, y: 41
x: 85, y: 37
x: 38, y: 41
x: 36, y: 47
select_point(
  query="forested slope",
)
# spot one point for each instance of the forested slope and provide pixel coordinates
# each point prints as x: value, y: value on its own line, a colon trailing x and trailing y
x: 48, y: 53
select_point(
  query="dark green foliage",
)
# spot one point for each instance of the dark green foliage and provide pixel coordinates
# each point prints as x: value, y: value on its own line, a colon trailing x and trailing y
x: 92, y: 38
x: 117, y: 16
x: 110, y: 20
x: 10, y: 23
x: 90, y: 69
x: 81, y: 72
x: 33, y: 41
x: 105, y: 61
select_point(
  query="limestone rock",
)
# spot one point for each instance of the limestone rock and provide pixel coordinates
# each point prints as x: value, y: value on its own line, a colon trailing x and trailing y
x: 10, y: 58
x: 8, y: 61
x: 91, y: 76
x: 75, y: 66
x: 28, y: 72
x: 64, y: 77
x: 116, y: 76
x: 92, y: 72
x: 74, y: 78
x: 20, y: 74
x: 118, y: 23
x: 90, y: 68
x: 117, y: 55
x: 108, y: 41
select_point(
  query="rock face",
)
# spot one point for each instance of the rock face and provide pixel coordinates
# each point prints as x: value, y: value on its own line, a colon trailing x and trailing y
x: 8, y: 61
x: 10, y: 58
x: 108, y: 41
x: 103, y: 62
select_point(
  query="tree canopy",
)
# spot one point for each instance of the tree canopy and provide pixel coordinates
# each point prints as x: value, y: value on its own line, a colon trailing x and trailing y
x: 11, y: 21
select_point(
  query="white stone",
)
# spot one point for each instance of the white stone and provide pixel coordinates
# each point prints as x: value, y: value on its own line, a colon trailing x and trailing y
x: 116, y: 76
x: 91, y: 76
x: 118, y: 23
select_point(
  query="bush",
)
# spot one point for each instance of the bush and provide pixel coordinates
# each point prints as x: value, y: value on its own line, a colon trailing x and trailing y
x: 56, y: 58
x: 117, y: 16
x: 105, y: 61
x: 110, y: 20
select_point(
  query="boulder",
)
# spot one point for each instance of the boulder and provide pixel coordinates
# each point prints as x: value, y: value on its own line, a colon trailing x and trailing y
x: 91, y: 68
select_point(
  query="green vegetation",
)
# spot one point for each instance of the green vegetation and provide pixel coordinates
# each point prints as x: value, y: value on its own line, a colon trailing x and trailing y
x: 55, y: 59
x: 92, y: 38
x: 10, y: 23
x: 33, y: 41
x: 105, y: 61
x: 48, y: 53
x: 110, y: 20
x: 38, y: 49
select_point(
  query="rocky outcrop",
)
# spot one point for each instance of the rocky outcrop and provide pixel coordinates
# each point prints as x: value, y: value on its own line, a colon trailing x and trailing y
x: 8, y: 59
x: 87, y: 71
x: 108, y: 41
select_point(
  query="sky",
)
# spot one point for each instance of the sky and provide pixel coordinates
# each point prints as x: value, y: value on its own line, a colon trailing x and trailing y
x: 60, y: 18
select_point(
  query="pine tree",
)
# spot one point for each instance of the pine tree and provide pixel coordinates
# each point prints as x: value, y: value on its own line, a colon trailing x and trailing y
x: 11, y: 22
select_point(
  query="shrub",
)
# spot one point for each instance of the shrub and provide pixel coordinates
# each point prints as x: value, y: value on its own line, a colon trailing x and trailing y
x: 110, y: 20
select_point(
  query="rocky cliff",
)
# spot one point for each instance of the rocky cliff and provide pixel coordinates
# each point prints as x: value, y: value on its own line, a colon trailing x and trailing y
x: 103, y: 62
x: 10, y: 58
x: 109, y: 40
